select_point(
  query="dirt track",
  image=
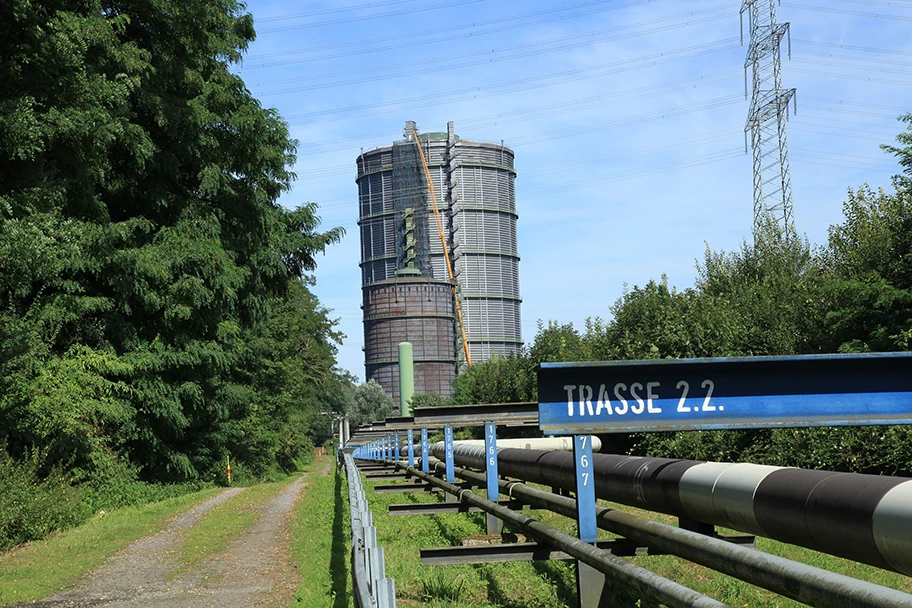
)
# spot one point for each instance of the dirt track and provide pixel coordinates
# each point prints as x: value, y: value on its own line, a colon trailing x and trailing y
x: 255, y: 570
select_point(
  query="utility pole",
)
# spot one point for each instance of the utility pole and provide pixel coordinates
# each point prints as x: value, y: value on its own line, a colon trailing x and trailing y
x: 767, y: 116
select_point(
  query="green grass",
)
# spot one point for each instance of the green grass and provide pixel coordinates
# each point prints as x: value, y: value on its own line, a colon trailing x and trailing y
x: 506, y: 585
x: 321, y: 542
x: 40, y: 568
x: 226, y: 522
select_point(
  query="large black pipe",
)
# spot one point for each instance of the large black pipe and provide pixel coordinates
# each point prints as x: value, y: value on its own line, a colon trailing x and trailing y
x: 865, y: 518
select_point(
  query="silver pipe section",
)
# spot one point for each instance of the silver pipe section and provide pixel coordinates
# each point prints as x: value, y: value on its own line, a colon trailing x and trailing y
x: 800, y: 582
x: 865, y: 518
x: 649, y: 584
x: 564, y: 444
x: 536, y: 443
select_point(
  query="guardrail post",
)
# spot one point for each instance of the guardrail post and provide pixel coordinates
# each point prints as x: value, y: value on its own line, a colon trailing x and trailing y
x: 448, y: 448
x: 493, y: 524
x: 425, y: 467
x: 397, y: 450
x: 590, y: 583
x: 411, y: 448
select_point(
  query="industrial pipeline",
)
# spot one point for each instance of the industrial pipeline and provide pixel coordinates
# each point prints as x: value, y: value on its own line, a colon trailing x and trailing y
x: 865, y: 518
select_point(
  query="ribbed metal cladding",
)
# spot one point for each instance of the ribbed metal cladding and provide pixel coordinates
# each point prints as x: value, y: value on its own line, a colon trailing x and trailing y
x: 483, y: 201
x: 410, y: 309
x: 474, y: 183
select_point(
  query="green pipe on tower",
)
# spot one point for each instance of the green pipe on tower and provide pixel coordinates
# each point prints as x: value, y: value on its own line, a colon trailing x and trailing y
x: 406, y: 378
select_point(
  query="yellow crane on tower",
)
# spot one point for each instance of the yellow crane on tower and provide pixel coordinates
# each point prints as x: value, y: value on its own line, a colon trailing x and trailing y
x: 443, y: 242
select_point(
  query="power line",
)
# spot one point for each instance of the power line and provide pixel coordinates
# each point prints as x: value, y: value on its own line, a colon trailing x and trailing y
x: 592, y: 127
x: 329, y: 11
x: 852, y: 77
x: 850, y: 47
x: 535, y: 112
x: 589, y: 71
x: 420, y: 9
x: 512, y: 19
x: 490, y: 56
x: 398, y: 45
x: 325, y: 172
x: 852, y: 67
x: 842, y: 11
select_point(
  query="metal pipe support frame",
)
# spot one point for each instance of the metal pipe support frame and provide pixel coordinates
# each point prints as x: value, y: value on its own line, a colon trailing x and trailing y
x: 864, y: 518
x: 648, y: 583
x: 795, y: 580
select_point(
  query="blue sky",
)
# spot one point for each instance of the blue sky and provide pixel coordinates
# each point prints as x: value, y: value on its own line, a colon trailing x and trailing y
x: 626, y: 117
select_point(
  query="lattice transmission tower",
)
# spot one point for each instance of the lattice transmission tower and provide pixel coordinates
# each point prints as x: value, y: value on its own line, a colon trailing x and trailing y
x: 767, y: 116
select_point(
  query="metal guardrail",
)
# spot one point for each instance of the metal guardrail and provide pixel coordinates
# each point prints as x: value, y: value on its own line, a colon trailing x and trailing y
x: 372, y: 588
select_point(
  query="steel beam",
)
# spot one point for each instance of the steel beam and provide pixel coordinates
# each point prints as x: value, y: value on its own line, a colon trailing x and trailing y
x: 436, y: 508
x: 405, y: 487
x: 507, y: 414
x: 521, y: 552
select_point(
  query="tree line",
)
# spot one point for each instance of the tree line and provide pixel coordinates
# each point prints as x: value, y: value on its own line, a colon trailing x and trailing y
x: 156, y: 312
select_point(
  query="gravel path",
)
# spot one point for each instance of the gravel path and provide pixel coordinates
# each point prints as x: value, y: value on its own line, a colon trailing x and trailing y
x: 255, y: 570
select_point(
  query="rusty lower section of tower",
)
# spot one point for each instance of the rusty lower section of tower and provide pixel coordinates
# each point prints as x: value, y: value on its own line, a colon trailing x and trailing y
x: 410, y: 309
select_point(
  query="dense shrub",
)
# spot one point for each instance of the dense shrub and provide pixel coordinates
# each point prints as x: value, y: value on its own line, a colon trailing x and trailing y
x: 34, y: 502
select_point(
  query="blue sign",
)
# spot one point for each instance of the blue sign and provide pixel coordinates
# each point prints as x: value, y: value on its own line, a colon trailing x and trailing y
x: 425, y: 467
x: 585, y: 488
x: 397, y: 451
x: 725, y: 393
x: 491, y: 460
x: 411, y: 448
x: 448, y: 448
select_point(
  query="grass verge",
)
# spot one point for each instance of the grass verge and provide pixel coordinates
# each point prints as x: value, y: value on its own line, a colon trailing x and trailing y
x: 321, y: 543
x: 226, y: 522
x: 40, y: 568
x: 504, y: 585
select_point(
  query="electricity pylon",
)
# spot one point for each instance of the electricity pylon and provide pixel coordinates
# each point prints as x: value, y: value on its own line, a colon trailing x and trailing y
x: 767, y: 117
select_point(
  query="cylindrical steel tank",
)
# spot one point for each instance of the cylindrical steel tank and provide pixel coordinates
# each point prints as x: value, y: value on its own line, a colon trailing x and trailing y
x: 410, y: 309
x: 474, y: 184
x: 485, y: 252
